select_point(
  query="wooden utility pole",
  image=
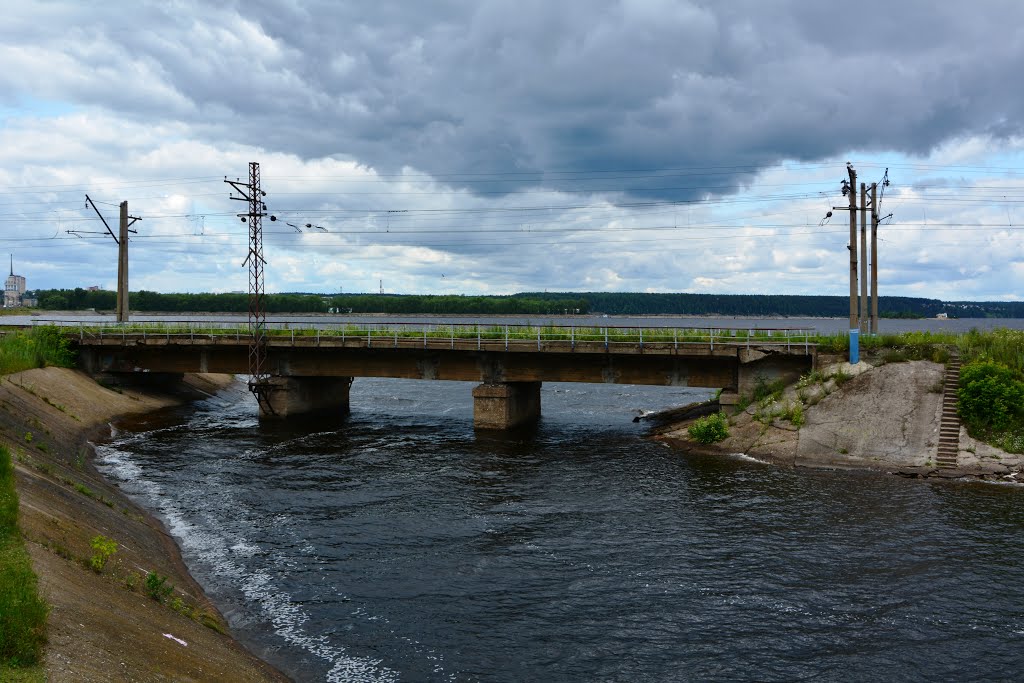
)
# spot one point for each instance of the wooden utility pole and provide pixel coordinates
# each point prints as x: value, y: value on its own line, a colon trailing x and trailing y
x: 874, y: 258
x: 122, y: 267
x: 863, y: 259
x: 853, y: 245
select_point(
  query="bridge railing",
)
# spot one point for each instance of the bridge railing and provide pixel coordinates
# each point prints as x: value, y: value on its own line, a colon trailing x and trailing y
x: 461, y: 335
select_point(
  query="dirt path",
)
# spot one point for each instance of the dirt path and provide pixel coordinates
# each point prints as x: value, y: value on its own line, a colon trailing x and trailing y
x: 102, y: 625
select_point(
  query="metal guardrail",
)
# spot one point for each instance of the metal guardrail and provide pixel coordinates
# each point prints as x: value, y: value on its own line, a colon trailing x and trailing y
x: 489, y: 336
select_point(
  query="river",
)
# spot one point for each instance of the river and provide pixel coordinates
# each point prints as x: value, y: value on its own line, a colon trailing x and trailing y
x: 399, y: 545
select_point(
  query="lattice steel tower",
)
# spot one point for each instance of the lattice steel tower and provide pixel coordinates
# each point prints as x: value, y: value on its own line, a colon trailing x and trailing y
x: 259, y: 378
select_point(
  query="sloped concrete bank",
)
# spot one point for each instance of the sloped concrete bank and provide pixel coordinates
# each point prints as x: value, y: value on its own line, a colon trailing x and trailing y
x: 103, y: 625
x: 881, y: 418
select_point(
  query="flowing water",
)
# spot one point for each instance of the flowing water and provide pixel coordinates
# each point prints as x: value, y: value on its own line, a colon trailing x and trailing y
x: 399, y: 545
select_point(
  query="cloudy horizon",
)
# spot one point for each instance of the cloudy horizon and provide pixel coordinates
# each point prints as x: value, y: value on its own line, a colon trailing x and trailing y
x: 496, y: 147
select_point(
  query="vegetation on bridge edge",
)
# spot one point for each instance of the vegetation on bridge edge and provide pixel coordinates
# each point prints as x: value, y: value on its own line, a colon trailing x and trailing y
x: 22, y: 611
x: 384, y: 332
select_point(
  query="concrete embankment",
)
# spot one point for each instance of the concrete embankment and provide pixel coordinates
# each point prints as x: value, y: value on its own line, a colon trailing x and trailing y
x: 104, y: 625
x: 883, y: 418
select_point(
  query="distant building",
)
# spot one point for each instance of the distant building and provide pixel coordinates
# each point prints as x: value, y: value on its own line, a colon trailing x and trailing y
x: 29, y: 299
x: 14, y: 288
x: 942, y: 316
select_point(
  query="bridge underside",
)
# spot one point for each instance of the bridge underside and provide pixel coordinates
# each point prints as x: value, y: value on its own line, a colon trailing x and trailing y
x: 313, y: 379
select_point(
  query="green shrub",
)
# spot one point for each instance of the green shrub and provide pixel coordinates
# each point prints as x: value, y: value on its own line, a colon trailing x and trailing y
x: 52, y: 347
x: 156, y: 587
x: 991, y: 397
x: 103, y: 548
x: 710, y: 429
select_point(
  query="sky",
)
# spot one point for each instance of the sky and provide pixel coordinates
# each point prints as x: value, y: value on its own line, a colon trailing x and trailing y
x: 493, y: 147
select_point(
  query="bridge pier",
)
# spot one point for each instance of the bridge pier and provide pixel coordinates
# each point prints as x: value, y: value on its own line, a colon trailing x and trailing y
x: 293, y: 396
x: 504, y: 405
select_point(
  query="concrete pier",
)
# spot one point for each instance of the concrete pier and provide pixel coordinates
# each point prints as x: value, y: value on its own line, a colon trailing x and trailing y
x: 292, y: 396
x: 504, y: 405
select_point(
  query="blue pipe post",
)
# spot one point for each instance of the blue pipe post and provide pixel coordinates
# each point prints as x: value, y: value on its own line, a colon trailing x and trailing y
x: 854, y: 346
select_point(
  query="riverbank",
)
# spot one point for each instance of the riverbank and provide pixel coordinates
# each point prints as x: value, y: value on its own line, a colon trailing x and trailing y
x: 882, y: 418
x: 106, y: 624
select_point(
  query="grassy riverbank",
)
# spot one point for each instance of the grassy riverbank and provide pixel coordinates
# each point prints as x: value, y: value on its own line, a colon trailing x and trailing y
x: 23, y: 626
x: 112, y: 579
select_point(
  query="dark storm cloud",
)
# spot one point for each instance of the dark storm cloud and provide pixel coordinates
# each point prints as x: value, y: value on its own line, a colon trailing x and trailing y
x: 519, y: 88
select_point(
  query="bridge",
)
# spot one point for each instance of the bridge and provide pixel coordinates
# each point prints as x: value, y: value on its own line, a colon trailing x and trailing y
x: 312, y: 366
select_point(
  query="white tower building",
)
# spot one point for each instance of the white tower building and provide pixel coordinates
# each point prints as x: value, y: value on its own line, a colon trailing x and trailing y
x: 14, y: 288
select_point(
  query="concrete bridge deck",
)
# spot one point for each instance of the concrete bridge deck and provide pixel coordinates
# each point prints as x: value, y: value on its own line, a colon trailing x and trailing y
x: 310, y: 363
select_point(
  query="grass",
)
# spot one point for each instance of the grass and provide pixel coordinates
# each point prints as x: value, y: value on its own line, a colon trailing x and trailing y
x: 767, y: 392
x: 1002, y: 346
x: 902, y: 346
x: 794, y: 413
x: 36, y: 348
x: 23, y: 622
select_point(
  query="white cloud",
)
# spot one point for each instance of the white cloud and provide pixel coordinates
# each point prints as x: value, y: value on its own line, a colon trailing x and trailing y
x: 496, y: 148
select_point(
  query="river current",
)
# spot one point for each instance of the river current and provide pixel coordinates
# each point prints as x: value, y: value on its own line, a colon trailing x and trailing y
x: 399, y: 545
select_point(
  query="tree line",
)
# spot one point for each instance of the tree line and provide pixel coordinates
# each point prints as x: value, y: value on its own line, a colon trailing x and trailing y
x: 530, y: 303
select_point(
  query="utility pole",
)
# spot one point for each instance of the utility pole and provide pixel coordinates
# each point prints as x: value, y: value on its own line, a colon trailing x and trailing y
x: 853, y: 245
x: 122, y: 267
x: 874, y: 258
x: 122, y: 254
x: 863, y: 259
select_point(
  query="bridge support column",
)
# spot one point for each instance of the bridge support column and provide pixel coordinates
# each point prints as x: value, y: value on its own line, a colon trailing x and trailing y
x: 504, y: 405
x: 293, y: 396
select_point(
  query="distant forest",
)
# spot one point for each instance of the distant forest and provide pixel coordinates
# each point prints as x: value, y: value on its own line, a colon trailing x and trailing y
x: 531, y: 303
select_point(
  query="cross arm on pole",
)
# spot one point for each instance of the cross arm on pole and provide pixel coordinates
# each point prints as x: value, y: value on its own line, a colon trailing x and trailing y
x: 102, y: 218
